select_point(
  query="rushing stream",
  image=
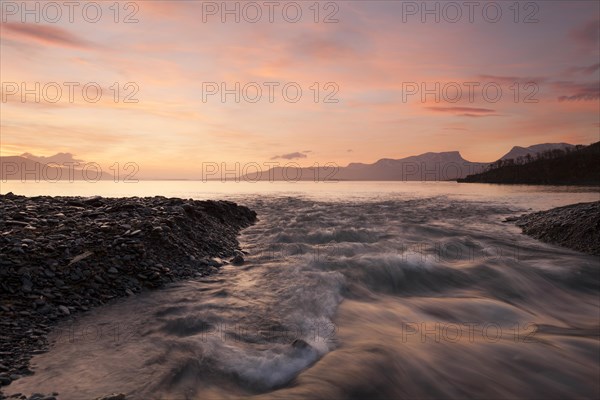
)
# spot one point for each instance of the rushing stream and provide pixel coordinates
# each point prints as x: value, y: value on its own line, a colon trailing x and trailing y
x: 381, y: 297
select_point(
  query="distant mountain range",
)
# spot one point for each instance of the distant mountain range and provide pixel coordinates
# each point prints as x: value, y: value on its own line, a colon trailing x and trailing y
x: 444, y: 166
x: 55, y: 169
x: 425, y: 167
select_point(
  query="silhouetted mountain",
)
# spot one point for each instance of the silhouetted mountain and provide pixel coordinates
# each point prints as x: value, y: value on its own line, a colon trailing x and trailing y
x: 27, y: 169
x: 519, y: 151
x: 443, y: 166
x: 446, y: 166
x: 58, y: 158
x: 551, y: 167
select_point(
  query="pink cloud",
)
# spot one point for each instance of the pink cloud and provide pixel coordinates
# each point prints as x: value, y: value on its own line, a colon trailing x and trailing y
x: 584, y: 70
x: 463, y: 109
x: 578, y: 91
x: 45, y: 34
x: 587, y: 35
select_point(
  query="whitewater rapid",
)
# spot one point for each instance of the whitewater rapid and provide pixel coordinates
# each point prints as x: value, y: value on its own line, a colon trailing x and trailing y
x: 431, y: 297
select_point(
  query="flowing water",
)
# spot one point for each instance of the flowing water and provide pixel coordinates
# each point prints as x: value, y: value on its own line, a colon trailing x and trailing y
x: 365, y: 290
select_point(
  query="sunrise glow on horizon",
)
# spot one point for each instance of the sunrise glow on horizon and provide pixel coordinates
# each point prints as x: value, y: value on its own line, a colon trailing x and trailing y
x: 183, y: 82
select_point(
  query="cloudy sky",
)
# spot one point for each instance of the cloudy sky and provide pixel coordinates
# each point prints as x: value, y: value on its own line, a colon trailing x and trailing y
x: 378, y: 79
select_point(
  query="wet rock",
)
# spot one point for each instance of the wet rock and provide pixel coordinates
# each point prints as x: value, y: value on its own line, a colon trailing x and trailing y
x: 215, y: 262
x: 64, y: 310
x: 81, y: 256
x: 576, y: 227
x: 5, y: 380
x: 26, y: 284
x: 113, y: 396
x: 41, y: 396
x: 13, y: 222
x: 95, y: 201
x: 300, y: 344
x: 46, y: 309
x: 238, y: 258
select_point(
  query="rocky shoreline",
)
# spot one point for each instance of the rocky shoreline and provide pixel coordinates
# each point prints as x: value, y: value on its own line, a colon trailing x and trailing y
x: 64, y: 255
x: 576, y: 227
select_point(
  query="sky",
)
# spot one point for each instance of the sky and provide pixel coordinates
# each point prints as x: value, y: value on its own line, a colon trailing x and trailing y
x: 170, y: 85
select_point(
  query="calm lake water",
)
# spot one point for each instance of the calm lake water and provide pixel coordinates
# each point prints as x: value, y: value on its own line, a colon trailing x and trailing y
x: 536, y: 197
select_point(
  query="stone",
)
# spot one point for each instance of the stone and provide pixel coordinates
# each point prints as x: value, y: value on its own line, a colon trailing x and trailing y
x: 113, y: 396
x: 64, y: 310
x: 237, y: 260
x: 27, y: 284
x: 80, y: 257
x: 18, y: 223
x: 300, y: 344
x: 45, y: 309
x: 215, y: 262
x: 4, y: 380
